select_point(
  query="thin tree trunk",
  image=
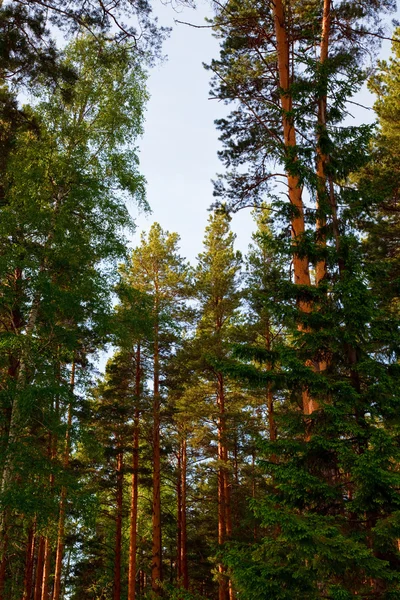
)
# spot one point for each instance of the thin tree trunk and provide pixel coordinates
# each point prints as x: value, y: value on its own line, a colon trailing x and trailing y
x: 322, y: 158
x: 223, y: 489
x: 179, y: 516
x: 39, y: 569
x: 118, y: 526
x: 46, y: 568
x: 63, y: 498
x: 135, y: 485
x: 156, y: 574
x: 29, y: 563
x: 184, y: 562
x: 52, y: 451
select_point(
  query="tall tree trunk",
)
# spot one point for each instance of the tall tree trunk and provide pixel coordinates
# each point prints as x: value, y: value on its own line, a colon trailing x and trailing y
x: 135, y: 484
x: 179, y: 516
x: 63, y: 498
x: 118, y: 525
x: 325, y: 189
x: 301, y: 270
x: 39, y: 569
x: 184, y: 563
x: 46, y: 568
x: 322, y: 158
x: 52, y: 451
x: 223, y: 488
x: 29, y: 563
x: 156, y: 574
x: 300, y: 264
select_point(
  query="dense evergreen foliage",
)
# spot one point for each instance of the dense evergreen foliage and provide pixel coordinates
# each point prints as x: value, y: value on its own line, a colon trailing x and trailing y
x: 244, y: 439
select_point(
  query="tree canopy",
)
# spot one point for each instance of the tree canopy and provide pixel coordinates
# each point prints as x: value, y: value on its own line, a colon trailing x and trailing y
x: 243, y: 440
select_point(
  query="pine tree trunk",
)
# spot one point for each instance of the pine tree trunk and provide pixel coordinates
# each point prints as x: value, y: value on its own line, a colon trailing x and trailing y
x: 184, y: 562
x: 301, y: 270
x: 179, y: 516
x: 322, y: 158
x: 118, y: 526
x: 156, y: 575
x: 39, y: 569
x: 135, y: 485
x: 29, y: 563
x: 63, y: 499
x: 60, y: 545
x: 46, y: 568
x: 52, y: 450
x: 300, y: 264
x: 223, y: 489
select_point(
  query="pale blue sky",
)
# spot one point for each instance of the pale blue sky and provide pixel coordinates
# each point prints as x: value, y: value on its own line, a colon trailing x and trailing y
x: 178, y: 152
x: 179, y: 148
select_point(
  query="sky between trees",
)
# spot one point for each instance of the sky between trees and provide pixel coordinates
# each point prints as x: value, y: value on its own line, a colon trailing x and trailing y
x: 178, y: 151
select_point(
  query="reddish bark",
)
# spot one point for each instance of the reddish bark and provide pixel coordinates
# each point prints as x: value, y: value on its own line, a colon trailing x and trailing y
x: 118, y: 526
x: 29, y: 563
x: 46, y: 569
x: 179, y: 519
x: 300, y: 264
x: 134, y: 486
x: 322, y: 158
x: 156, y: 574
x: 52, y: 450
x: 63, y: 499
x: 39, y: 569
x: 224, y: 519
x: 301, y: 270
x: 183, y: 548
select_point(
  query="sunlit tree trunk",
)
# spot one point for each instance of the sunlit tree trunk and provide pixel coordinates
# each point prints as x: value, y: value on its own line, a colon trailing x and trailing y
x: 156, y: 574
x: 47, y: 545
x: 63, y: 499
x: 46, y: 568
x: 183, y: 559
x: 118, y: 524
x: 39, y: 569
x: 322, y: 158
x: 300, y: 264
x: 134, y: 485
x: 179, y: 516
x: 224, y: 526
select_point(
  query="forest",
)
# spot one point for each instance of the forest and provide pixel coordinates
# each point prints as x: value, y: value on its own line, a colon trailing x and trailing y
x: 243, y: 442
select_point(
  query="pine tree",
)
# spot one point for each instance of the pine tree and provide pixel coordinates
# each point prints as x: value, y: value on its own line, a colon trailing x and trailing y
x: 217, y: 287
x: 157, y: 269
